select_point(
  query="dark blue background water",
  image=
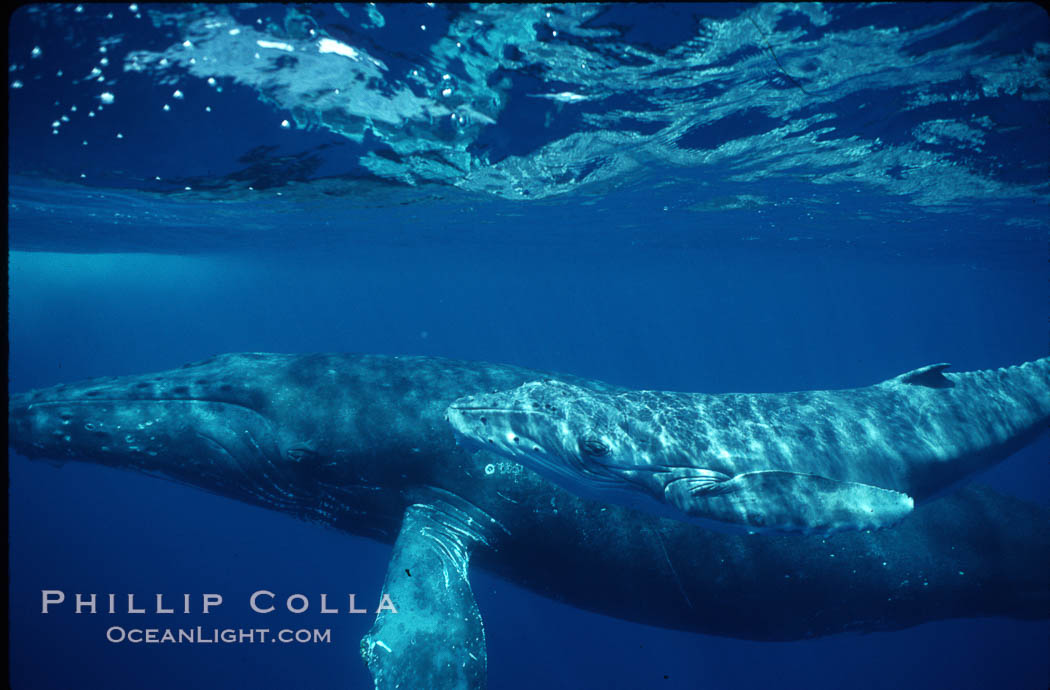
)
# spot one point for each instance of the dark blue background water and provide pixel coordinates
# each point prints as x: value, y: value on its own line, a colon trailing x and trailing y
x: 681, y: 278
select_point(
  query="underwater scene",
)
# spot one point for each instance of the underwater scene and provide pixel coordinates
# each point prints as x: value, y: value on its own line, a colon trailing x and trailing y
x: 580, y: 346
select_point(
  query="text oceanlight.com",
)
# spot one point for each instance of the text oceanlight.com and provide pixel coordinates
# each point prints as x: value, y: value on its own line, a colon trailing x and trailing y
x: 201, y: 635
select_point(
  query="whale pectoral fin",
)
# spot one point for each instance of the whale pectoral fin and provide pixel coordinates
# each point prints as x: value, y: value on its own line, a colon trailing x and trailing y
x: 930, y: 376
x: 789, y: 501
x: 436, y: 638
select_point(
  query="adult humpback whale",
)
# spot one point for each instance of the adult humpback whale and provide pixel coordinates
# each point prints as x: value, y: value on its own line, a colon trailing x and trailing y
x: 360, y: 443
x: 812, y: 461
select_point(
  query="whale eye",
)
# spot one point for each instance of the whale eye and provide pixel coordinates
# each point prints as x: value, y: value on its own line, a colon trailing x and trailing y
x: 300, y: 452
x: 593, y: 447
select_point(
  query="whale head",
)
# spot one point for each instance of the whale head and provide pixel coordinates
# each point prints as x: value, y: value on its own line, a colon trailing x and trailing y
x: 228, y: 425
x: 577, y: 437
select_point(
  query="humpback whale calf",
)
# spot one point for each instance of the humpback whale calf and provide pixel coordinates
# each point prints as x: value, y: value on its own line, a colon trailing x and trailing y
x: 360, y: 443
x: 813, y: 461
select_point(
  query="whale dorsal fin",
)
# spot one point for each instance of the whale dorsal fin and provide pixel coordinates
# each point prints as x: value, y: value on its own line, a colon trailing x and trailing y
x: 931, y: 376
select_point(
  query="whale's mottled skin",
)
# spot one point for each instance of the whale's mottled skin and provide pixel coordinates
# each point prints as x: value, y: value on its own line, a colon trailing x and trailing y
x: 361, y: 443
x: 809, y: 461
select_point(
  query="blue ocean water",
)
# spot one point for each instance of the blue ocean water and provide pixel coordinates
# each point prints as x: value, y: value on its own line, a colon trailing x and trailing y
x: 682, y: 197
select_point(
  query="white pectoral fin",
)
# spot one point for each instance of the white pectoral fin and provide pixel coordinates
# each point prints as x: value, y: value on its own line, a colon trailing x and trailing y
x: 432, y: 636
x: 787, y: 501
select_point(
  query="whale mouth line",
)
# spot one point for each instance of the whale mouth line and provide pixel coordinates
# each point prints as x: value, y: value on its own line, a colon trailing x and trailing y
x: 501, y: 410
x: 460, y: 408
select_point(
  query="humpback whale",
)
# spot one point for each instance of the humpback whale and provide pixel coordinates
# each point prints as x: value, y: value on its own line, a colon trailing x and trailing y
x: 812, y: 461
x: 360, y: 443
